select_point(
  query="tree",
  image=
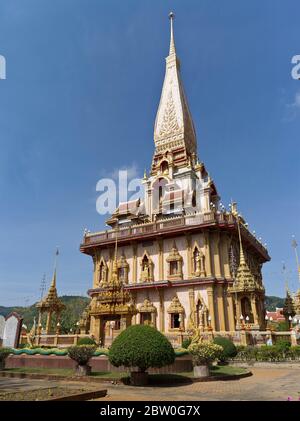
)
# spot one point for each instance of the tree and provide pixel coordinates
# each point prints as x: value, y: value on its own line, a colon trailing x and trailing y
x: 141, y: 346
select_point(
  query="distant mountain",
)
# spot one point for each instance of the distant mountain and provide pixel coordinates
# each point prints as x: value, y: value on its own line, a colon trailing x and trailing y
x: 76, y: 304
x: 74, y: 307
x: 273, y: 302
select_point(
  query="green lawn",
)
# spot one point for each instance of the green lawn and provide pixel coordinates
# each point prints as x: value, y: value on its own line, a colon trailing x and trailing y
x: 214, y: 371
x: 224, y: 370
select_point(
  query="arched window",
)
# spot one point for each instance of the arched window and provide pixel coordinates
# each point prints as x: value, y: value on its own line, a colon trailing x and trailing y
x: 164, y: 167
x: 198, y: 262
x: 146, y: 269
x: 102, y: 272
x: 123, y: 268
x: 176, y: 315
x: 175, y: 264
x: 159, y: 189
x: 173, y: 267
x: 196, y: 259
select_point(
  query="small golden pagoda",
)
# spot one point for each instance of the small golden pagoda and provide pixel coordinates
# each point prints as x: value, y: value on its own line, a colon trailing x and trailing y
x: 50, y: 304
x: 247, y: 292
x: 111, y: 308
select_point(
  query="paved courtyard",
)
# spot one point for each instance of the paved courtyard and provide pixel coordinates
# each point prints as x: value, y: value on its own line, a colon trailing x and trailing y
x: 265, y: 384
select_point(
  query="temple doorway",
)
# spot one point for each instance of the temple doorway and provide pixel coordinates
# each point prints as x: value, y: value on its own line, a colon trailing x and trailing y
x: 109, y: 329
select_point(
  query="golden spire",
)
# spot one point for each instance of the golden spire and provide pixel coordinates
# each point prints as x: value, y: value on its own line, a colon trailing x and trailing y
x: 173, y: 118
x: 242, y: 257
x: 244, y: 280
x: 53, y: 283
x: 172, y: 43
x: 51, y: 300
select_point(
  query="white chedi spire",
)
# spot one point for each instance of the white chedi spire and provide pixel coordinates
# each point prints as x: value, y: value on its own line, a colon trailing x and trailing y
x: 173, y: 125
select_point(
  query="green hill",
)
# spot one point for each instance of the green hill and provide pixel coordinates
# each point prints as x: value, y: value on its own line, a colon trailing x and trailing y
x: 74, y: 307
x: 273, y: 302
x: 76, y: 304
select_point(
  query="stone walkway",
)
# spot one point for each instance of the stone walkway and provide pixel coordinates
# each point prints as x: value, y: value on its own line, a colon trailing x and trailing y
x: 265, y: 384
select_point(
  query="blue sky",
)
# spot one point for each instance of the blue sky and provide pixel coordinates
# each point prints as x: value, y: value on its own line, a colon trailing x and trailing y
x: 82, y: 89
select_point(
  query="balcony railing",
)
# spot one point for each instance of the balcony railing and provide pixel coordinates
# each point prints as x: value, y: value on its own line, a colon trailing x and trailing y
x: 169, y: 223
x: 159, y: 226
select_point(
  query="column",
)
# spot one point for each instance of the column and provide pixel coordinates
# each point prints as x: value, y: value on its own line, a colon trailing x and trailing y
x: 95, y: 271
x: 134, y: 299
x: 110, y: 265
x: 161, y: 309
x: 231, y: 320
x: 207, y: 254
x: 225, y: 255
x: 220, y: 303
x: 48, y: 323
x: 254, y: 310
x: 96, y: 329
x: 216, y: 255
x: 238, y: 311
x: 191, y: 321
x: 211, y: 305
x: 134, y: 268
x: 160, y: 243
x: 189, y: 255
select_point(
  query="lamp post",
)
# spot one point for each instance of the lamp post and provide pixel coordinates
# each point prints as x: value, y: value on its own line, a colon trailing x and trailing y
x: 77, y: 328
x: 290, y: 322
x: 58, y: 328
x: 247, y: 322
x: 242, y: 321
x: 112, y: 325
x: 209, y: 322
x: 180, y: 329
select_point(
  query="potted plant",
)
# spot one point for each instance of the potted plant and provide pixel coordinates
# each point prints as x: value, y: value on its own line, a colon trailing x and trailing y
x: 203, y: 354
x: 82, y: 354
x: 4, y: 353
x: 140, y: 347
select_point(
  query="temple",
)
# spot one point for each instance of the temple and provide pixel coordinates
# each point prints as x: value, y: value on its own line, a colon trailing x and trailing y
x: 176, y: 259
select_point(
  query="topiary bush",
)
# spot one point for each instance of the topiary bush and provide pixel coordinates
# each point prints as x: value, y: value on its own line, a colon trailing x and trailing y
x: 229, y: 349
x: 86, y: 341
x: 82, y: 354
x: 4, y: 353
x: 141, y: 346
x: 186, y: 343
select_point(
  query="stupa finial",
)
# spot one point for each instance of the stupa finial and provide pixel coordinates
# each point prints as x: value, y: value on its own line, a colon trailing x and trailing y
x: 172, y: 43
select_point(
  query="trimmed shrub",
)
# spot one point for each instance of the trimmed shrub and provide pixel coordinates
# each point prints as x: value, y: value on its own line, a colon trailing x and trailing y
x: 269, y: 353
x: 246, y: 353
x: 293, y: 352
x: 205, y: 352
x: 229, y: 349
x: 141, y: 346
x: 283, y: 345
x: 86, y: 341
x: 81, y: 354
x: 186, y: 343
